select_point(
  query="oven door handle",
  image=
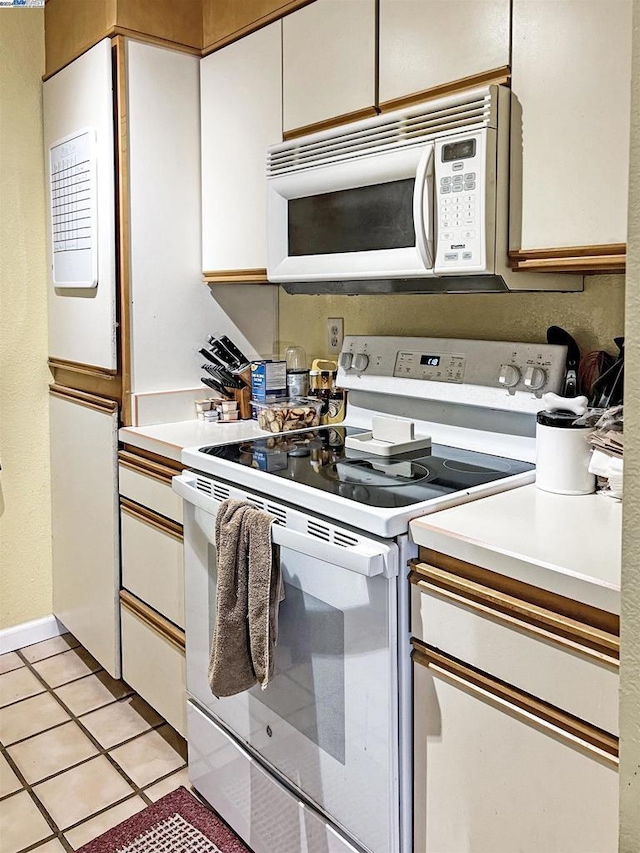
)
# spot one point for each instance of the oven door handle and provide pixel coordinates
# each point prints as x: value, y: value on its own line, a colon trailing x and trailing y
x: 366, y: 557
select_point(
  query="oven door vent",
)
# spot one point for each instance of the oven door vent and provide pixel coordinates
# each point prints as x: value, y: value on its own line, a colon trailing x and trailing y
x: 220, y: 493
x: 320, y: 531
x: 345, y: 540
x: 204, y: 485
x: 279, y: 512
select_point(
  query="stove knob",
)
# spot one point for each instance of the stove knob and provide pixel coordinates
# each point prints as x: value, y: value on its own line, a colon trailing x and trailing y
x: 509, y: 375
x: 345, y: 360
x: 535, y: 378
x: 360, y: 362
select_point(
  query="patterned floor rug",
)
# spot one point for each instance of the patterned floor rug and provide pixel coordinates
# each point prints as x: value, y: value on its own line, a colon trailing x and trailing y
x: 177, y: 823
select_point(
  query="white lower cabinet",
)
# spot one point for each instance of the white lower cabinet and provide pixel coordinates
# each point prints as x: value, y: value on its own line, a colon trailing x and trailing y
x: 515, y: 716
x: 153, y: 662
x: 152, y: 594
x: 491, y: 778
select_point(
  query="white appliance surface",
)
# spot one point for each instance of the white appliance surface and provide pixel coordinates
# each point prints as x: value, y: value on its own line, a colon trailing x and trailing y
x: 471, y: 395
x: 431, y: 169
x: 334, y: 727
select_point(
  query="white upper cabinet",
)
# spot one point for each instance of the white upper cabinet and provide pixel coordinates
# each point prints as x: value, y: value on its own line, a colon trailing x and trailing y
x: 570, y: 122
x: 329, y: 61
x: 426, y: 43
x: 82, y: 321
x: 241, y: 113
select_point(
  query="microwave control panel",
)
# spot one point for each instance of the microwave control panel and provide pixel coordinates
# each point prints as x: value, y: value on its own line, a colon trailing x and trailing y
x: 464, y: 193
x: 435, y: 366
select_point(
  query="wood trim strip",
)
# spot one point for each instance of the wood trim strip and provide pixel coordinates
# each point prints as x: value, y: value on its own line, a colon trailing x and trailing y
x: 597, y: 259
x: 148, y: 516
x: 327, y: 124
x: 123, y: 248
x: 257, y: 276
x: 158, y: 41
x: 153, y: 619
x: 91, y: 401
x: 159, y: 472
x: 509, y: 611
x: 552, y: 602
x: 79, y: 367
x: 276, y: 14
x: 494, y: 77
x: 600, y: 743
x: 163, y: 461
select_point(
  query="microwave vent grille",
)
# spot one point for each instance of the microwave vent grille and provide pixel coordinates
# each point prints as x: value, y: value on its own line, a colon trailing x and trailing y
x: 384, y: 133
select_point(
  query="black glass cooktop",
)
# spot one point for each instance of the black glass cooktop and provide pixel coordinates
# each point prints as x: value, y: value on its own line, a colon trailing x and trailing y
x: 319, y: 458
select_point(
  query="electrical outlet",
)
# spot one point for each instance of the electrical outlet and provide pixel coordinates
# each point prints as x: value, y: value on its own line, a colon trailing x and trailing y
x: 335, y: 333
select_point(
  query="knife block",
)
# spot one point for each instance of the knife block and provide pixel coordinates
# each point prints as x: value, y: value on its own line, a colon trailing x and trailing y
x: 242, y: 396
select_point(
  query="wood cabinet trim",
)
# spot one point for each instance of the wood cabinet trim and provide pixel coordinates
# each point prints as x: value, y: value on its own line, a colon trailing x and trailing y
x: 594, y: 740
x: 280, y: 12
x: 327, y: 124
x: 157, y: 41
x: 154, y: 620
x: 609, y: 258
x: 142, y: 454
x: 154, y: 519
x: 79, y: 367
x: 496, y: 76
x: 140, y: 465
x: 458, y: 571
x: 123, y: 247
x: 91, y: 401
x: 257, y: 276
x: 514, y: 613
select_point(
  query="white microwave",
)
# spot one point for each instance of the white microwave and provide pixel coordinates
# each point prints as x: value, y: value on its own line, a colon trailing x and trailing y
x: 416, y: 194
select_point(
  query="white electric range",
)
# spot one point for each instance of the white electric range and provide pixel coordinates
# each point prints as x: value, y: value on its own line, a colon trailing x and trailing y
x: 320, y: 761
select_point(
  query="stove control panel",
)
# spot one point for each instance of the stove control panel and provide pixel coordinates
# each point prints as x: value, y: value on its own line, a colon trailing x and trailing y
x: 503, y: 366
x: 435, y: 366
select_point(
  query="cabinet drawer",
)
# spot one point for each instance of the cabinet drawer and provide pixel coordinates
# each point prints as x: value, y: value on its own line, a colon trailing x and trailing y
x: 553, y: 666
x: 152, y: 560
x: 153, y: 660
x: 149, y: 484
x: 490, y: 776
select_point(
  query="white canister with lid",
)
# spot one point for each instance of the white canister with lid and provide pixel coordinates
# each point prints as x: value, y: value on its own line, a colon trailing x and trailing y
x: 562, y: 450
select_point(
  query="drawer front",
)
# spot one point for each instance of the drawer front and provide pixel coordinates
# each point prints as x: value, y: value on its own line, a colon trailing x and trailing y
x: 571, y: 677
x: 152, y: 564
x: 154, y: 666
x: 151, y: 488
x: 492, y: 778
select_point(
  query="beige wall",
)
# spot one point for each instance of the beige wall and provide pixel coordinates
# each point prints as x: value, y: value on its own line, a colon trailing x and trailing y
x: 594, y: 317
x: 630, y: 622
x: 25, y: 518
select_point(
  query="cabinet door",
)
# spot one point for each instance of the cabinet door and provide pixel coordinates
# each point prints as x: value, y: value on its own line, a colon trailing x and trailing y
x: 329, y: 61
x: 570, y: 122
x: 492, y: 778
x: 82, y: 321
x: 241, y: 108
x: 426, y: 43
x: 84, y: 515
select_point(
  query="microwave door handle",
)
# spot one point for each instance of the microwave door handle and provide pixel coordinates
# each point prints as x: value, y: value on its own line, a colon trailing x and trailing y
x: 423, y: 206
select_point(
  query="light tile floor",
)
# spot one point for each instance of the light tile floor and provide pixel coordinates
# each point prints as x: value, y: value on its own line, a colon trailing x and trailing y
x: 79, y: 752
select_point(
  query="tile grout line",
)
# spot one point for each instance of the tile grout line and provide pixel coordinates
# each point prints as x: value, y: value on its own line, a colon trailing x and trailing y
x: 137, y: 791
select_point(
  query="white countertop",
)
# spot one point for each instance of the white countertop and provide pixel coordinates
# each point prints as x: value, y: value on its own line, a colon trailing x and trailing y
x: 170, y: 439
x: 568, y: 545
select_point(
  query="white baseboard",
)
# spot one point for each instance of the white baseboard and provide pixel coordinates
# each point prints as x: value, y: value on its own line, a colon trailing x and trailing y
x: 29, y: 633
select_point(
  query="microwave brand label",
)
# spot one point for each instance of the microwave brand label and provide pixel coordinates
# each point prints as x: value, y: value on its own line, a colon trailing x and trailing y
x: 458, y: 245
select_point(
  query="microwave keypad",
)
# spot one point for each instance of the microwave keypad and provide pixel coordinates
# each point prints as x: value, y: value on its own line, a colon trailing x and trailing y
x: 459, y: 210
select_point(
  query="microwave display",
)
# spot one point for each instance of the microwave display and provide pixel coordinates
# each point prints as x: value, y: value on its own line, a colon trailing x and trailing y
x: 459, y: 150
x: 362, y: 219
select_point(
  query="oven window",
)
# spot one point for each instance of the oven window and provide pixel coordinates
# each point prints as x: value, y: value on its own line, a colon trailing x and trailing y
x: 308, y: 686
x: 356, y: 220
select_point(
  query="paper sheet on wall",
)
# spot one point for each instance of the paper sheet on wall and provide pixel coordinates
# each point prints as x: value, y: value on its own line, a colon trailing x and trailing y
x: 74, y: 238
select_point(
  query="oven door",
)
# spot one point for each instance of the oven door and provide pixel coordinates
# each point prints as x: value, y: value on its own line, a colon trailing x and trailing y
x: 367, y: 218
x: 328, y: 722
